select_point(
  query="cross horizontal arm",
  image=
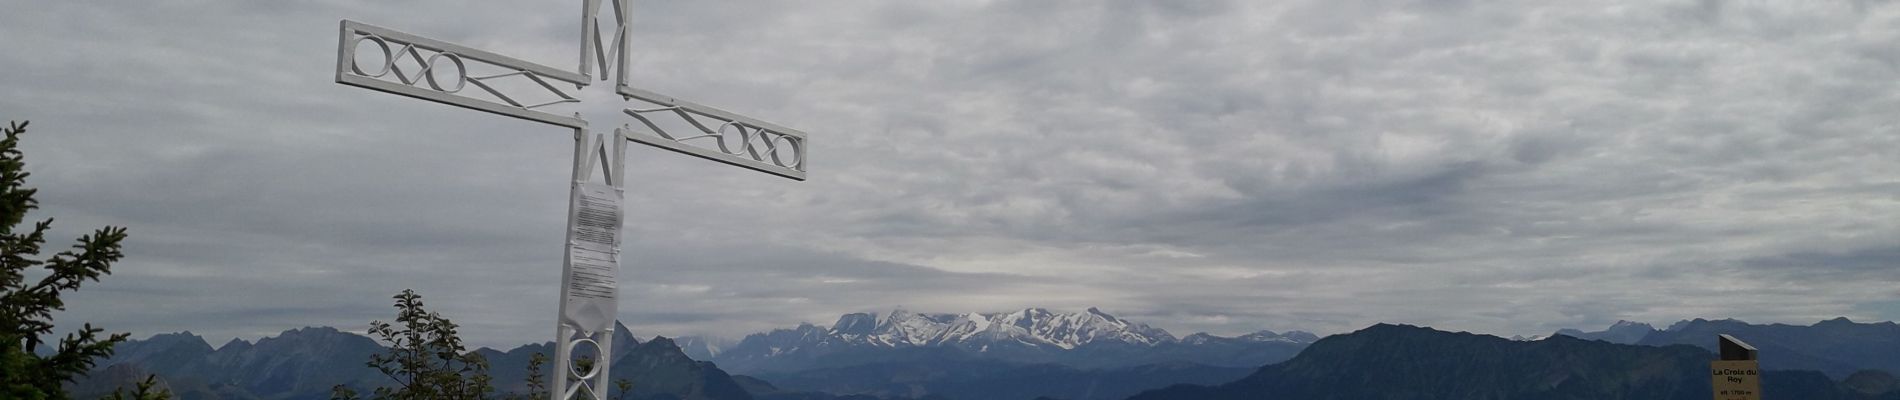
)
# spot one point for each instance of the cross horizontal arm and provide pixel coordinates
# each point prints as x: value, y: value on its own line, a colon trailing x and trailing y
x: 431, y: 81
x: 735, y: 139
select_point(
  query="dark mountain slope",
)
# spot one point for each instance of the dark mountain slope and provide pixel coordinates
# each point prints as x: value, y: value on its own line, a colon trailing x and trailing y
x: 303, y: 364
x: 1838, y: 347
x: 165, y: 353
x: 977, y: 379
x: 1395, y: 362
x: 660, y: 370
x: 297, y: 364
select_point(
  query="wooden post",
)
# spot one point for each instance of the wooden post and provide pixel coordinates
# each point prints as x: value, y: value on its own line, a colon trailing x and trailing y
x: 1737, y: 375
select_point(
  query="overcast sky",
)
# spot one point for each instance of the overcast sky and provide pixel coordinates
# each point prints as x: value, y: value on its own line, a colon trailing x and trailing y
x: 1221, y: 166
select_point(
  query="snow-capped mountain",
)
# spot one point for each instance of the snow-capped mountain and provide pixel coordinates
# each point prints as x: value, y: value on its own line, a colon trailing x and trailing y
x: 1256, y: 337
x: 1034, y: 327
x: 1090, y: 338
x: 703, y: 347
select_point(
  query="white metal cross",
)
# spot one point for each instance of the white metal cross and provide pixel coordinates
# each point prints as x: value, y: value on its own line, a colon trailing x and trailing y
x: 440, y: 71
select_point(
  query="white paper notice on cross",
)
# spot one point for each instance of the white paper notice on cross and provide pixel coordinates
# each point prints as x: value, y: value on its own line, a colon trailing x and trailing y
x: 593, y: 257
x: 434, y: 70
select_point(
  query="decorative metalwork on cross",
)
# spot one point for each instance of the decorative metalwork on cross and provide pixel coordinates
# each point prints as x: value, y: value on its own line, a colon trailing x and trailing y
x: 457, y: 75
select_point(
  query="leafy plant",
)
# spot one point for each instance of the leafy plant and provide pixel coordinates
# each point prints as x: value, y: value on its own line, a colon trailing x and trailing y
x: 426, y: 359
x: 147, y: 390
x: 625, y: 386
x: 537, y: 383
x: 26, y: 308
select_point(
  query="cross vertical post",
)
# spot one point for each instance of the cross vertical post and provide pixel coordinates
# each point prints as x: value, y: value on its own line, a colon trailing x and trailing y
x: 448, y: 73
x: 589, y: 281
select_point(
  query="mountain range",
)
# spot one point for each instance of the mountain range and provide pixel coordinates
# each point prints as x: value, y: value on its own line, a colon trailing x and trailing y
x: 1029, y: 353
x: 1405, y: 362
x: 303, y: 364
x: 1036, y: 353
x: 1838, y: 347
x: 1091, y: 339
x: 297, y: 364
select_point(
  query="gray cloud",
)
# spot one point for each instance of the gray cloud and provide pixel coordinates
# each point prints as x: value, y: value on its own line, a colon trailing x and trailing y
x: 1201, y: 165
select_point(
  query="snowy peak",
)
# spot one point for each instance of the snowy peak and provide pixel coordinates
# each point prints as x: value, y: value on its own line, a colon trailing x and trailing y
x: 855, y: 324
x: 1300, y: 336
x: 776, y: 342
x: 1296, y: 337
x: 703, y: 348
x: 1288, y: 337
x: 1091, y: 338
x: 1629, y: 327
x: 1199, y: 338
x: 1071, y: 330
x: 804, y: 333
x: 904, y: 329
x: 1098, y: 312
x: 1030, y: 326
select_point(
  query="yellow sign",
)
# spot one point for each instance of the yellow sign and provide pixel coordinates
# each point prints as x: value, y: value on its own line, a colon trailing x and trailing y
x: 1736, y: 380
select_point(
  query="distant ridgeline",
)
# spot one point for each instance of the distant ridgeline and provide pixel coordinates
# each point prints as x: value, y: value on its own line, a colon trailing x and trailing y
x: 1015, y: 355
x: 1089, y: 339
x: 1089, y: 355
x: 1837, y: 347
x: 1025, y: 354
x: 303, y: 364
x: 1405, y: 362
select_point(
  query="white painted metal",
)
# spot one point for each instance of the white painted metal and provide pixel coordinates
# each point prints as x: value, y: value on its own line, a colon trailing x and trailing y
x: 586, y: 314
x: 737, y: 139
x: 577, y: 327
x: 398, y: 47
x: 591, y: 49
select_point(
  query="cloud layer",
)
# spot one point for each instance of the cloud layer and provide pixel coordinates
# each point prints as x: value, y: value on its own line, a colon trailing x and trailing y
x: 1198, y: 165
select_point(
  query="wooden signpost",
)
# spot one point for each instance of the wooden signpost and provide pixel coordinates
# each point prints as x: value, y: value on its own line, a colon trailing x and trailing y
x: 1737, y: 375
